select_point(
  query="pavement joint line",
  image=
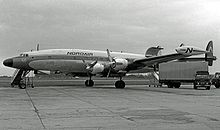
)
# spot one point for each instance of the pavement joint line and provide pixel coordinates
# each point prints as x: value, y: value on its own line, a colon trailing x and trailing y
x: 97, y: 106
x: 35, y: 109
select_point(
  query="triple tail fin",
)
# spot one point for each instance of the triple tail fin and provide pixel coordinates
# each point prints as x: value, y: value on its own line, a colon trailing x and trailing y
x: 153, y: 51
x: 209, y: 55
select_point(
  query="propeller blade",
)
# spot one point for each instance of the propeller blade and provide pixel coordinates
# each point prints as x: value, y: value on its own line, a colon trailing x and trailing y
x: 112, y: 62
x: 89, y: 66
x: 109, y: 72
x: 38, y: 47
x: 86, y: 67
x: 109, y: 56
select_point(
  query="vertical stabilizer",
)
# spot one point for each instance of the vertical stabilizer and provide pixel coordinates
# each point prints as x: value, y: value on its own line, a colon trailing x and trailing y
x: 153, y: 51
x: 209, y: 55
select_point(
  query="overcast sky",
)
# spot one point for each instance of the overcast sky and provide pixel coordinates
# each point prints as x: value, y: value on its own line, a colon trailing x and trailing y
x: 119, y: 25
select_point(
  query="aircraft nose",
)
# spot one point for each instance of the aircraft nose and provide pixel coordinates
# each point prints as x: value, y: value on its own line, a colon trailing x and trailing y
x: 8, y: 62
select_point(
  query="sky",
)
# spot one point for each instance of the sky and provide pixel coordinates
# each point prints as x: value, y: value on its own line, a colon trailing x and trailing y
x: 119, y: 25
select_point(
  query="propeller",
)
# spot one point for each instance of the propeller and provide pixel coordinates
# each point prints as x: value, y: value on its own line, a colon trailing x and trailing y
x: 112, y: 62
x: 89, y: 66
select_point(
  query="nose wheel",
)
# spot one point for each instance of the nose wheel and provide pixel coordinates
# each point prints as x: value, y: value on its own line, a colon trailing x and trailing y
x: 120, y: 84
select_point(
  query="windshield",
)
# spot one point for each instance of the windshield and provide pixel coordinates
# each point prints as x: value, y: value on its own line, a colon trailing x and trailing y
x: 24, y: 55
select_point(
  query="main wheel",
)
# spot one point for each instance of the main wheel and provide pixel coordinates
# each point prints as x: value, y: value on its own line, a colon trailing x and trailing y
x: 89, y: 83
x: 22, y: 85
x: 177, y: 85
x: 120, y: 84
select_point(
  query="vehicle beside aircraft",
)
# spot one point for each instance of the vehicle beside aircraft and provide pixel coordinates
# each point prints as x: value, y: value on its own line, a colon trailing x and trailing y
x: 92, y: 62
x: 174, y: 74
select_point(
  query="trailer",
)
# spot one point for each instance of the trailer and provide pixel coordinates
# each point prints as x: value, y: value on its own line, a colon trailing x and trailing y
x: 173, y: 74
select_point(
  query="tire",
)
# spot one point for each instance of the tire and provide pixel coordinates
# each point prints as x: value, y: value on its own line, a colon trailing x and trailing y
x: 120, y: 84
x: 194, y: 86
x: 89, y: 83
x: 22, y: 86
x: 177, y: 85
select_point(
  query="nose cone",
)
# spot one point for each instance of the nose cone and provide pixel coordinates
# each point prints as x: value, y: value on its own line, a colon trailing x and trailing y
x: 8, y: 62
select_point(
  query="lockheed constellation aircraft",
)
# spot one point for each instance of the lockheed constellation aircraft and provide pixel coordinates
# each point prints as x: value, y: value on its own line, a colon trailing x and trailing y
x: 93, y: 62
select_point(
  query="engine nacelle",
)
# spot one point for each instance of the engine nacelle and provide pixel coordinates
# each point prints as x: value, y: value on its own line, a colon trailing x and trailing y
x: 97, y: 68
x: 120, y: 64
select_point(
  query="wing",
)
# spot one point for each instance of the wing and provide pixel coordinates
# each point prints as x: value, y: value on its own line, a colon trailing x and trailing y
x: 149, y: 61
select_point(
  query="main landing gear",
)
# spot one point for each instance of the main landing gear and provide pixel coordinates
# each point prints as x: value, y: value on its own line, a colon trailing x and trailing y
x: 90, y: 82
x: 118, y: 84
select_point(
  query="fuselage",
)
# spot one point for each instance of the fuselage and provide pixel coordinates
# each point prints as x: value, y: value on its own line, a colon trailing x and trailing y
x: 64, y: 60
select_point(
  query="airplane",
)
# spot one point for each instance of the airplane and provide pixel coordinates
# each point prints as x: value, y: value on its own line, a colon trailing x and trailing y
x: 81, y: 62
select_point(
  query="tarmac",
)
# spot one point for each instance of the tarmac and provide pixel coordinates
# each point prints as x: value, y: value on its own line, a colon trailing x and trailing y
x: 103, y: 107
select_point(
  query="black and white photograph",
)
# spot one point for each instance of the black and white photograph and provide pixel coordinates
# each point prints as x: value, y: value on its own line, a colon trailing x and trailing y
x: 109, y: 64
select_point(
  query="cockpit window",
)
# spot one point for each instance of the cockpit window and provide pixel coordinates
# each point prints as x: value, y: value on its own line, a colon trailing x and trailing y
x: 24, y: 55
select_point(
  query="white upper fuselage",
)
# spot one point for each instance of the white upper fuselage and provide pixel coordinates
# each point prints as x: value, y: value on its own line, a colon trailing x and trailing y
x: 85, y: 53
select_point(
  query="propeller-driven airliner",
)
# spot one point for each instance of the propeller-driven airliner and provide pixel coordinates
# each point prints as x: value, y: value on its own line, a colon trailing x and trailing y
x: 92, y: 62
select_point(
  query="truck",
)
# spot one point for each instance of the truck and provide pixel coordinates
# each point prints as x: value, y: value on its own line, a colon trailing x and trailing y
x: 173, y: 74
x: 202, y: 79
x: 216, y: 80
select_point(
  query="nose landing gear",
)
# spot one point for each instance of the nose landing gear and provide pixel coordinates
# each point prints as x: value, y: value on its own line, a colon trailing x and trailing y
x: 120, y: 84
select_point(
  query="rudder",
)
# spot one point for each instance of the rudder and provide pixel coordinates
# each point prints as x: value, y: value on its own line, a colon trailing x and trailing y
x: 209, y: 55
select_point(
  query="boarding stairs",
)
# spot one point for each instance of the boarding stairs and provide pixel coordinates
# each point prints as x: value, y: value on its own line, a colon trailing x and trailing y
x: 19, y: 78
